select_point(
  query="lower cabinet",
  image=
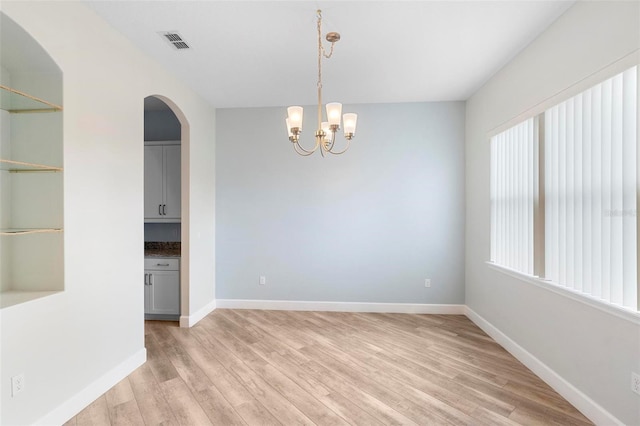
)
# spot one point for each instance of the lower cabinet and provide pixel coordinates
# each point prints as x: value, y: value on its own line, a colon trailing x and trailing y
x: 162, y: 288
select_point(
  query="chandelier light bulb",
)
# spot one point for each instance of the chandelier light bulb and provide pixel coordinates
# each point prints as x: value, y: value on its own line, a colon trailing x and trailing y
x: 350, y: 120
x: 334, y: 111
x: 327, y: 130
x: 295, y: 116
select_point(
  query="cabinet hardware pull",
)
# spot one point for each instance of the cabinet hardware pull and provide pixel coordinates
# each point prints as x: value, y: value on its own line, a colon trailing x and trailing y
x: 145, y: 279
x: 160, y: 209
x: 162, y: 264
x: 150, y: 279
x: 164, y: 207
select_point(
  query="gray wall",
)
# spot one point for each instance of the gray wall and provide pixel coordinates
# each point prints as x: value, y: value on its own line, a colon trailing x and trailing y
x: 367, y: 226
x: 594, y: 351
x: 162, y: 125
x: 162, y: 232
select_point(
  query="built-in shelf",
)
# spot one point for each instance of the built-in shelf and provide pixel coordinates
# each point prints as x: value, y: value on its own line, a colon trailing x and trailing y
x: 31, y: 180
x: 13, y: 166
x: 26, y: 231
x: 15, y: 101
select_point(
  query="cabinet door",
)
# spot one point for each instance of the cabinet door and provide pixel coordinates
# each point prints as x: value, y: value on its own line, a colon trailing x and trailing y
x: 164, y: 293
x: 153, y: 182
x: 172, y: 181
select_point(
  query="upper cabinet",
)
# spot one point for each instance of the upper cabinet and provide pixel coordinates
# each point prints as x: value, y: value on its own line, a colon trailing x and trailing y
x: 162, y: 182
x: 31, y: 159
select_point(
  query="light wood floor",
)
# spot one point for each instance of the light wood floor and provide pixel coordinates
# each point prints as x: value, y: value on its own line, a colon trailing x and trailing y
x: 240, y: 367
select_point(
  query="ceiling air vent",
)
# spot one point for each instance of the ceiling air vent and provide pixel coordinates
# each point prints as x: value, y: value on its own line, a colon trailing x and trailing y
x: 175, y: 40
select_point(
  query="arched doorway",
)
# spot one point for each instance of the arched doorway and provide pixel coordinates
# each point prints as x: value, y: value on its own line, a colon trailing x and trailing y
x: 166, y: 141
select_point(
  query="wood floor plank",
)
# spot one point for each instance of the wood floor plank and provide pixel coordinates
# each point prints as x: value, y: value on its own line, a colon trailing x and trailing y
x: 272, y: 400
x: 153, y: 407
x: 126, y: 413
x: 120, y: 393
x: 158, y: 361
x: 96, y: 414
x: 552, y: 408
x: 184, y: 405
x: 253, y: 367
x: 333, y: 400
x: 380, y: 410
x: 254, y: 413
x: 283, y: 409
x: 403, y: 397
x: 534, y: 415
x: 491, y: 418
x: 348, y: 410
x: 187, y: 368
x: 460, y: 400
x: 304, y: 401
x: 235, y: 393
x: 217, y: 408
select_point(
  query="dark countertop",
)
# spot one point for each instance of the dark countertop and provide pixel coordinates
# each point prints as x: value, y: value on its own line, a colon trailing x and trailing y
x: 161, y: 249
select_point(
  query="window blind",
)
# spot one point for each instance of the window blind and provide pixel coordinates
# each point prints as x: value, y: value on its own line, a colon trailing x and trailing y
x: 590, y: 190
x: 513, y: 183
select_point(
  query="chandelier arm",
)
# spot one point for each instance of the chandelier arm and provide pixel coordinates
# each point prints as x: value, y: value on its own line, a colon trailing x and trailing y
x: 301, y: 151
x: 329, y: 146
x: 340, y: 152
x: 333, y: 140
x: 308, y: 151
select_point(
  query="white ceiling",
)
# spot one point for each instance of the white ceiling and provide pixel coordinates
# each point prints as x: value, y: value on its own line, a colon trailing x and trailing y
x: 263, y: 53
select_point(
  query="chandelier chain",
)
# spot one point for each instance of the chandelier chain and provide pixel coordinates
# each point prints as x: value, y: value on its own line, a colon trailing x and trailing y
x: 321, y: 50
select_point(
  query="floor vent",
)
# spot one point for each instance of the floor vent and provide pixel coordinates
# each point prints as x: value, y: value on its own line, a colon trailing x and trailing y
x: 175, y: 40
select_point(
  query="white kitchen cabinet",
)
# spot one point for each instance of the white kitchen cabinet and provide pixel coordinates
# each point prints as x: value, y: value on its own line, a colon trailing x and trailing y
x: 161, y: 288
x: 162, y: 183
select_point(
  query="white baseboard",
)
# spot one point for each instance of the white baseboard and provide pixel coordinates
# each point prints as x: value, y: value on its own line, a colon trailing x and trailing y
x: 297, y: 305
x: 592, y: 410
x: 187, y: 321
x: 82, y: 399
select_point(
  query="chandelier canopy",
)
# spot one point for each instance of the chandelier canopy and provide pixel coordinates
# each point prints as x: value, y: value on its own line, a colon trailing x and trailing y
x: 326, y: 133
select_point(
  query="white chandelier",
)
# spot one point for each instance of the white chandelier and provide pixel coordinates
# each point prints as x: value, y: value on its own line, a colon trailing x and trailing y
x: 326, y: 133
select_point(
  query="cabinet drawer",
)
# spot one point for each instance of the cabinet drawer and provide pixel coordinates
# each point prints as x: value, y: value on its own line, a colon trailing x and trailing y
x: 161, y: 264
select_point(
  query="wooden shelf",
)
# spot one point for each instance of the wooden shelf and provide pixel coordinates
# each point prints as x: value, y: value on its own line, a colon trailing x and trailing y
x: 26, y: 231
x: 13, y: 166
x: 15, y: 101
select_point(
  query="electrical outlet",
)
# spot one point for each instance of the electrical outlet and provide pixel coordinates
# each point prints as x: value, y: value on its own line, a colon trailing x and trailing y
x: 263, y: 280
x: 17, y: 384
x: 427, y: 282
x: 635, y: 383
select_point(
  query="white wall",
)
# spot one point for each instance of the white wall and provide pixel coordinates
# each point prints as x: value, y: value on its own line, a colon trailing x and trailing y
x: 5, y: 188
x: 592, y: 350
x: 66, y: 344
x: 367, y: 226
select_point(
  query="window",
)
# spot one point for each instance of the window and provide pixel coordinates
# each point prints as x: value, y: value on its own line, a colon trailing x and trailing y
x: 586, y: 183
x: 513, y: 154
